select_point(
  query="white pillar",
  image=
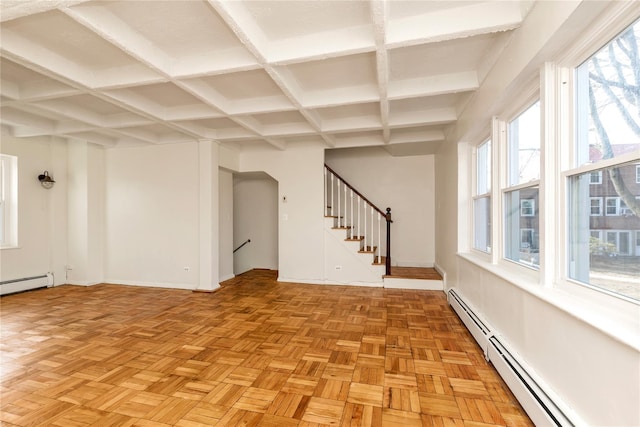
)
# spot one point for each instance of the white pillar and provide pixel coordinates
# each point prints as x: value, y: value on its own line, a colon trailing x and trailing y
x: 208, y: 158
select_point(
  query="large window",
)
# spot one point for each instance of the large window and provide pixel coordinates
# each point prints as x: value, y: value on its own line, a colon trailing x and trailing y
x: 8, y: 201
x: 604, y: 252
x: 482, y: 199
x: 521, y: 220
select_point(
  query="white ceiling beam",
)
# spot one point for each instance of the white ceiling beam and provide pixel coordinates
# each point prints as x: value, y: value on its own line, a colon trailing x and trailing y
x: 17, y: 9
x: 30, y: 55
x: 434, y: 116
x: 21, y: 118
x: 433, y: 85
x: 431, y: 135
x: 379, y: 16
x: 103, y: 23
x: 459, y: 22
x: 9, y: 89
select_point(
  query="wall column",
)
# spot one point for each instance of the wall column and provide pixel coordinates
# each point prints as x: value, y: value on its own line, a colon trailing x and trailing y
x: 209, y: 232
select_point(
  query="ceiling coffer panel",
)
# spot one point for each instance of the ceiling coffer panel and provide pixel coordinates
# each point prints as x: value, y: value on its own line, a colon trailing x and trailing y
x: 249, y: 74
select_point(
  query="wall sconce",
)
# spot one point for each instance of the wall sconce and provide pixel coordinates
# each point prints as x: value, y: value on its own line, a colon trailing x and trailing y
x: 45, y: 180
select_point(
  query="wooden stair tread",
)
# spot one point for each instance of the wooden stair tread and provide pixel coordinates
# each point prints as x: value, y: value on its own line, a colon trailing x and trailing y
x: 368, y: 250
x: 421, y: 273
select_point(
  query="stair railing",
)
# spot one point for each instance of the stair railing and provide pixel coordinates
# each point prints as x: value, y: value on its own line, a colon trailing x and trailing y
x: 354, y: 212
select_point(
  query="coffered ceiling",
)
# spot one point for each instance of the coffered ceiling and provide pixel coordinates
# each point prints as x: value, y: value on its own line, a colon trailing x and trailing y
x: 249, y: 74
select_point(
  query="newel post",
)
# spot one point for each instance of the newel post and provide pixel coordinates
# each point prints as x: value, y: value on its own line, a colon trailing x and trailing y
x: 387, y: 264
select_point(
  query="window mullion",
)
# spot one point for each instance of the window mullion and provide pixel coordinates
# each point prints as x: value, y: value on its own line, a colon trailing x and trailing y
x: 550, y: 85
x: 498, y: 180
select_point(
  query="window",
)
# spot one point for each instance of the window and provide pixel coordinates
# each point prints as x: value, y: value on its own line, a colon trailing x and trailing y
x: 607, y: 129
x: 482, y: 199
x: 613, y: 206
x: 527, y: 207
x: 523, y: 169
x: 596, y: 206
x: 596, y: 177
x: 8, y: 201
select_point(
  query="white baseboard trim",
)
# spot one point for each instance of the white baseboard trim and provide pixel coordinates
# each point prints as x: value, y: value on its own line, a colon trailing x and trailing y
x: 443, y: 273
x: 227, y: 277
x: 331, y: 283
x: 416, y: 284
x: 422, y: 264
x: 165, y: 285
x: 83, y: 282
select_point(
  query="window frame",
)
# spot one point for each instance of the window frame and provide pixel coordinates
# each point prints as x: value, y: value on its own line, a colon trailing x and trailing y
x: 598, y: 181
x: 599, y: 200
x: 532, y: 207
x: 532, y: 98
x: 485, y: 195
x: 8, y: 201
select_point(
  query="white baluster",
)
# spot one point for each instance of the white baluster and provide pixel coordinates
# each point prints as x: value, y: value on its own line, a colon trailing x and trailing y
x: 338, y: 191
x: 365, y: 225
x: 372, y: 227
x: 352, y: 221
x: 346, y: 209
x: 379, y: 236
x: 332, y: 204
x: 359, y: 218
x: 326, y: 201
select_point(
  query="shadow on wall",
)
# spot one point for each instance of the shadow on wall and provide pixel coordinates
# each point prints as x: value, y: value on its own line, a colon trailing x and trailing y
x: 255, y: 217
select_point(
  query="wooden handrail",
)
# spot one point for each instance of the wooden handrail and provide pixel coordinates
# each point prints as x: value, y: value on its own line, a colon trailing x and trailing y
x: 386, y: 215
x: 380, y: 211
x: 238, y: 248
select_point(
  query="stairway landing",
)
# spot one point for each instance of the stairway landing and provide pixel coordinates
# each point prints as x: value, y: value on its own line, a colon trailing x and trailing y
x: 414, y: 278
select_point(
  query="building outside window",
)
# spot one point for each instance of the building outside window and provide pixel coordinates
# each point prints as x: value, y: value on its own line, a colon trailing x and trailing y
x: 521, y: 195
x: 604, y: 250
x: 596, y: 177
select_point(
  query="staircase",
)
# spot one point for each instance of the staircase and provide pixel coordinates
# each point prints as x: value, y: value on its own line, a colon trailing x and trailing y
x: 365, y: 231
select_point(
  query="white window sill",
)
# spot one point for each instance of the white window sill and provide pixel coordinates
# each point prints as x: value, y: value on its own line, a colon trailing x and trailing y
x: 618, y: 318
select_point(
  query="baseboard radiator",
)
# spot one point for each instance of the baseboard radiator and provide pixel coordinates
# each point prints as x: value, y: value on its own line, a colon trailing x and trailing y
x: 542, y: 410
x: 26, y: 284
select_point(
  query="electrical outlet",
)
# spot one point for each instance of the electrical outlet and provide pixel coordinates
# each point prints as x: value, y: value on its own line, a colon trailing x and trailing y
x: 338, y: 267
x: 187, y: 269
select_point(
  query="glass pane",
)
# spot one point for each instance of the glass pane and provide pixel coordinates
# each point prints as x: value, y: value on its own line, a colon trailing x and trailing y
x: 608, y: 104
x: 524, y: 147
x: 602, y: 249
x: 522, y: 228
x: 483, y: 168
x: 482, y: 224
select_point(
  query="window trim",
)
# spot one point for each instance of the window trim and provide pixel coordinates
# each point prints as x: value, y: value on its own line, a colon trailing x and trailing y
x: 599, y: 175
x: 599, y: 200
x: 9, y: 200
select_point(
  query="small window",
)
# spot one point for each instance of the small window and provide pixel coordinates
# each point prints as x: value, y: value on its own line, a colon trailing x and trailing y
x: 596, y: 206
x: 637, y: 174
x: 8, y: 201
x: 613, y: 206
x: 596, y: 177
x: 527, y: 207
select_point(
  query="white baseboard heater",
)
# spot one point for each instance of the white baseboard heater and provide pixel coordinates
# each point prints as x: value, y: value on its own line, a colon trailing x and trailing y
x: 26, y: 284
x: 542, y: 410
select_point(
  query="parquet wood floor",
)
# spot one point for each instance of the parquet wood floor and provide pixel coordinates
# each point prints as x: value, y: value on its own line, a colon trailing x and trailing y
x: 257, y: 352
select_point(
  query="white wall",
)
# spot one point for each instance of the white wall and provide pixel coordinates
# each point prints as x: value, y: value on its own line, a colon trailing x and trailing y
x: 406, y: 185
x: 152, y: 215
x: 85, y: 210
x: 41, y: 213
x: 225, y: 251
x: 299, y: 173
x: 255, y: 208
x: 578, y: 350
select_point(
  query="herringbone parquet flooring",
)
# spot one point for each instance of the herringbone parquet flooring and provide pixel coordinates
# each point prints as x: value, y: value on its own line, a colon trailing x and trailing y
x: 257, y: 352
